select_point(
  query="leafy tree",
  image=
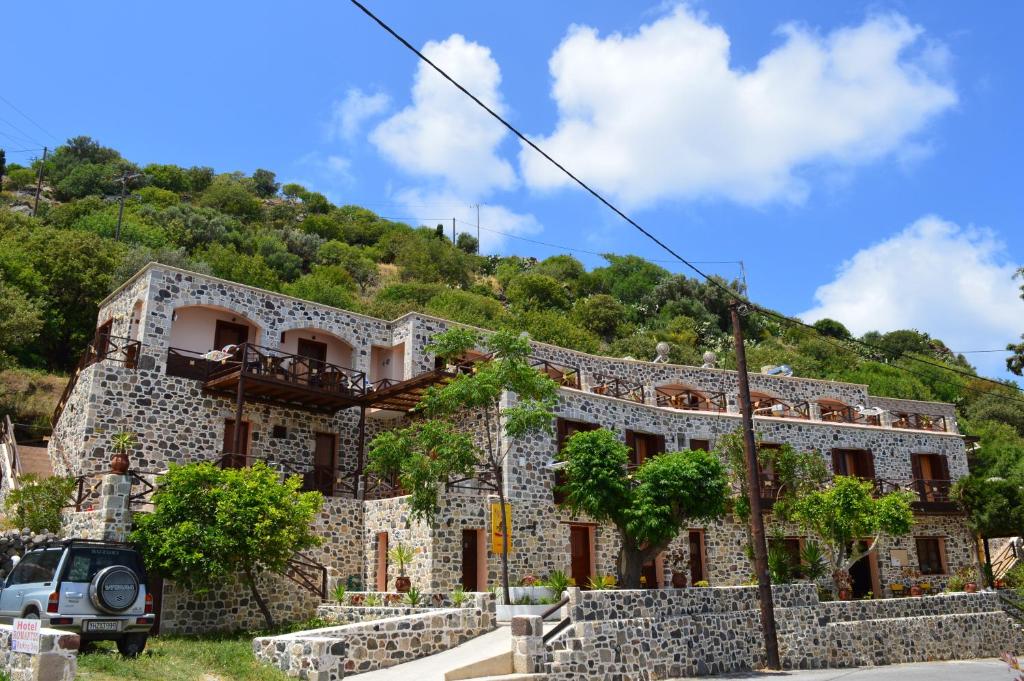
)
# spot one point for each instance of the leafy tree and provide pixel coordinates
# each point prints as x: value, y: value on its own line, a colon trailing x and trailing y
x: 20, y: 178
x: 833, y: 329
x: 648, y: 507
x: 537, y: 292
x: 433, y: 452
x: 566, y: 270
x: 293, y: 191
x: 162, y: 198
x: 228, y: 195
x: 199, y: 178
x: 168, y: 176
x: 600, y: 314
x: 76, y: 152
x: 509, y: 268
x: 326, y: 284
x: 227, y: 263
x: 844, y: 512
x: 85, y: 179
x: 264, y: 183
x: 433, y: 260
x: 550, y: 326
x: 629, y: 278
x: 467, y: 243
x: 315, y: 202
x: 209, y: 525
x: 353, y: 260
x: 37, y: 502
x: 20, y: 321
x: 467, y: 308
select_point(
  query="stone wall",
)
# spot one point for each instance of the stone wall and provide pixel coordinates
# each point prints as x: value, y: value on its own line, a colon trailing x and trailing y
x: 57, y: 659
x: 335, y: 652
x: 616, y: 634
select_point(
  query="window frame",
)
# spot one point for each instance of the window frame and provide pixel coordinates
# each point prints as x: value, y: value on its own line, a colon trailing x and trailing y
x: 940, y: 554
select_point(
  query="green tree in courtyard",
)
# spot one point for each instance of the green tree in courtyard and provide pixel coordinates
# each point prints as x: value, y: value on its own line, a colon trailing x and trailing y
x: 648, y: 506
x: 433, y: 452
x: 210, y: 525
x: 37, y: 502
x: 845, y: 512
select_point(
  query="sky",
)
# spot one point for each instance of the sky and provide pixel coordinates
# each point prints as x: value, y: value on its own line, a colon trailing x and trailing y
x: 862, y: 161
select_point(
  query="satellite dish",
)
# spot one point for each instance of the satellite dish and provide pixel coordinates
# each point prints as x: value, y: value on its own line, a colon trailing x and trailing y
x: 868, y: 411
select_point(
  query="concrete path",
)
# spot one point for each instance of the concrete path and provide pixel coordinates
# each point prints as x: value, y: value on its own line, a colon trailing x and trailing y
x: 433, y: 667
x: 960, y: 670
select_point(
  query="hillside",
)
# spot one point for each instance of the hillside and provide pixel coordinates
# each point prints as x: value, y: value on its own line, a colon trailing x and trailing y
x: 55, y: 267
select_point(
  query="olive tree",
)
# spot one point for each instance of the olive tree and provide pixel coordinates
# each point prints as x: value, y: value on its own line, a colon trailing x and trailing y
x: 648, y: 506
x: 846, y: 511
x: 209, y: 525
x: 434, y: 452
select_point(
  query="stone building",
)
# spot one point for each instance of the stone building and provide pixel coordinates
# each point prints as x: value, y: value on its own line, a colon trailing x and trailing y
x: 182, y: 359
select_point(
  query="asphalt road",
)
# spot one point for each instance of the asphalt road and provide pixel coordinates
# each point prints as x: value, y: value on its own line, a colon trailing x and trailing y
x: 961, y: 670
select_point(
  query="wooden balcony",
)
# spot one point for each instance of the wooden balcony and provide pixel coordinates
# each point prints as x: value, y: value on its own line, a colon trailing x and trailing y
x: 104, y: 347
x: 770, y: 406
x: 844, y: 414
x: 617, y: 387
x: 933, y: 496
x: 690, y: 400
x: 914, y: 421
x: 565, y: 376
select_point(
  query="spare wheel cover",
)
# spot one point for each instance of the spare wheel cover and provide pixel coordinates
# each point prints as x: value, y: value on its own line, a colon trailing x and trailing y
x: 114, y: 588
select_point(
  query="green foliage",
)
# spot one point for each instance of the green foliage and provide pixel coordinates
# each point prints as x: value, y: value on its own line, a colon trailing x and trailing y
x: 162, y: 198
x: 467, y: 308
x: 401, y: 555
x: 327, y: 284
x: 536, y: 292
x: 168, y: 177
x: 600, y: 314
x: 467, y: 243
x: 264, y: 183
x: 813, y: 563
x: 37, y: 502
x: 20, y: 178
x: 648, y: 507
x: 846, y: 511
x: 229, y: 195
x: 833, y: 329
x: 413, y: 597
x: 566, y: 270
x: 226, y: 262
x: 20, y: 321
x: 629, y: 278
x: 549, y: 326
x: 339, y: 592
x: 209, y: 525
x: 360, y: 267
x: 780, y: 568
x: 557, y: 582
x: 459, y: 596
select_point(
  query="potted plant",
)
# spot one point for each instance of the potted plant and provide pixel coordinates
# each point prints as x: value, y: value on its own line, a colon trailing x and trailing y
x: 121, y: 443
x: 843, y: 586
x: 970, y: 583
x: 556, y: 583
x: 912, y: 577
x: 402, y: 555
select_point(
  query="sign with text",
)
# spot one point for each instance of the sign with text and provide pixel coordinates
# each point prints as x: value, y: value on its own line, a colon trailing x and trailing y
x: 25, y: 637
x: 496, y: 535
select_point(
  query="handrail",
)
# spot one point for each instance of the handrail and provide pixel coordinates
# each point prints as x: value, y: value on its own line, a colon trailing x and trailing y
x: 307, y: 573
x: 916, y: 421
x: 555, y: 608
x: 102, y: 347
x: 319, y: 478
x: 618, y: 387
x: 689, y: 400
x: 565, y: 375
x: 1004, y: 559
x: 258, y: 360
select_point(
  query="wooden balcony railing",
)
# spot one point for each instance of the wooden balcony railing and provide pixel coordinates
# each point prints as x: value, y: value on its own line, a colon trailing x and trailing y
x: 104, y: 347
x: 617, y: 387
x: 260, y: 361
x: 690, y: 400
x: 770, y: 406
x: 919, y: 421
x: 932, y: 493
x: 565, y: 376
x: 324, y: 479
x: 844, y: 414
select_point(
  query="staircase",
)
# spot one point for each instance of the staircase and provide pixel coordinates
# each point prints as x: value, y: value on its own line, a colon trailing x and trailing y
x: 1006, y: 558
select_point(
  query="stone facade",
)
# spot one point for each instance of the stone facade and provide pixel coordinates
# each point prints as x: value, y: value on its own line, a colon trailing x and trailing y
x: 57, y: 659
x: 336, y: 652
x: 178, y: 422
x: 621, y: 634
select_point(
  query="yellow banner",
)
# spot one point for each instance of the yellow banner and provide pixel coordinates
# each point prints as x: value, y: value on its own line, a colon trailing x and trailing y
x: 496, y: 526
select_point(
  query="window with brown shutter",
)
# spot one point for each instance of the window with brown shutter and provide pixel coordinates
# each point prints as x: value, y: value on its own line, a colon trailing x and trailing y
x: 854, y: 462
x: 929, y: 555
x: 700, y: 445
x: 643, y: 446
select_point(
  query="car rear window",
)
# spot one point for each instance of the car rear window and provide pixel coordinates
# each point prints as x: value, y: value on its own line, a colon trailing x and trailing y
x: 37, y: 566
x: 85, y: 561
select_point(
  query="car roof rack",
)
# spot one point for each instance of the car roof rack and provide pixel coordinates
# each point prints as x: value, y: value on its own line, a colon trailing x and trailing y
x: 67, y: 541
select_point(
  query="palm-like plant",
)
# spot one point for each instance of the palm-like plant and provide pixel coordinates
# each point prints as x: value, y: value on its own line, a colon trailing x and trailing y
x: 401, y: 555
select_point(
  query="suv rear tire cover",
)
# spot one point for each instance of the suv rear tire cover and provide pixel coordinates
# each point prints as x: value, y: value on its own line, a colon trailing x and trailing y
x: 114, y: 589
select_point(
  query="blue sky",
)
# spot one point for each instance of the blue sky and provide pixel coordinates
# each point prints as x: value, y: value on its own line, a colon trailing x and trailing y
x: 863, y: 161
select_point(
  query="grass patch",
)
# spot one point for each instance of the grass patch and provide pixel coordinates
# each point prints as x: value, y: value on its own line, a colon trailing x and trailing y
x: 226, y: 657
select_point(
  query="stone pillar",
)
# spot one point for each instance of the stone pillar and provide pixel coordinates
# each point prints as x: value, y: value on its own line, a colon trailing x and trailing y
x: 528, y: 652
x: 115, y: 512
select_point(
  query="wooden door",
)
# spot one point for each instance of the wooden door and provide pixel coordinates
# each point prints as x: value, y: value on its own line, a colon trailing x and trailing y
x: 102, y: 341
x: 315, y: 354
x: 470, y: 565
x: 382, y: 561
x: 649, y: 572
x: 229, y: 333
x: 698, y: 570
x: 579, y: 547
x: 324, y: 463
x: 240, y: 458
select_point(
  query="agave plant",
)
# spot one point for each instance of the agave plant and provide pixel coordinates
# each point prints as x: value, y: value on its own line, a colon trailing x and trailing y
x: 413, y: 597
x: 557, y: 582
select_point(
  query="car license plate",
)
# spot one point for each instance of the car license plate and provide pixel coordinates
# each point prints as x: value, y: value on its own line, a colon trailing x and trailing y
x: 102, y: 625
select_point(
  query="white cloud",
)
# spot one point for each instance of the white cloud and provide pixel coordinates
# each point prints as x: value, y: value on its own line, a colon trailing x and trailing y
x: 348, y: 115
x: 442, y: 134
x: 954, y: 283
x: 496, y: 221
x: 661, y: 114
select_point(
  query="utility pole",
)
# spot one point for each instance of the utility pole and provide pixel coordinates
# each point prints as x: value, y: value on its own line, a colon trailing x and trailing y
x: 453, y: 231
x: 478, y: 229
x: 39, y: 182
x: 124, y: 179
x: 764, y: 584
x: 3, y: 167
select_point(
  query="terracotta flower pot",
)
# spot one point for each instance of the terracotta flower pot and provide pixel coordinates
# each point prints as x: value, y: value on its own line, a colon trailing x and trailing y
x: 678, y: 580
x: 844, y: 595
x: 970, y: 587
x: 119, y: 463
x: 403, y: 584
x: 915, y: 590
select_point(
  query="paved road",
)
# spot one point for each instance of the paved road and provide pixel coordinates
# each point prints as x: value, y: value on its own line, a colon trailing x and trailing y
x: 966, y: 670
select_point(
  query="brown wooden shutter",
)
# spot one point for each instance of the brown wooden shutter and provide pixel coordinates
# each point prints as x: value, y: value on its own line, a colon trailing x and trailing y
x: 634, y: 458
x: 943, y: 472
x: 660, y: 444
x: 915, y: 466
x: 869, y: 464
x: 838, y: 462
x: 560, y: 431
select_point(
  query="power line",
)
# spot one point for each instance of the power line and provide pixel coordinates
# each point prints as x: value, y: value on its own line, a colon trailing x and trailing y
x: 24, y: 134
x: 515, y: 131
x: 972, y: 352
x: 28, y: 118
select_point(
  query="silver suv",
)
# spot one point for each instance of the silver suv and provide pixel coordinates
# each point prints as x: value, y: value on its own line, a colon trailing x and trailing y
x: 96, y: 589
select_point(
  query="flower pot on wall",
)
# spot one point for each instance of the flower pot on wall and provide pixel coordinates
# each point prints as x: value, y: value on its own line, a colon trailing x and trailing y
x: 403, y: 584
x: 678, y: 580
x: 971, y: 587
x: 119, y: 463
x: 915, y: 590
x: 844, y: 595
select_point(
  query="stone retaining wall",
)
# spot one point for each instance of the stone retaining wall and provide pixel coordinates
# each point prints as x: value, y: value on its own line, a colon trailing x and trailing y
x: 57, y: 659
x: 717, y: 630
x: 336, y: 652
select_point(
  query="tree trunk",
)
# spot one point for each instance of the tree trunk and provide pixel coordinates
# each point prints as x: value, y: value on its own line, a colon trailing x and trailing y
x: 259, y: 599
x: 504, y: 543
x: 631, y: 562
